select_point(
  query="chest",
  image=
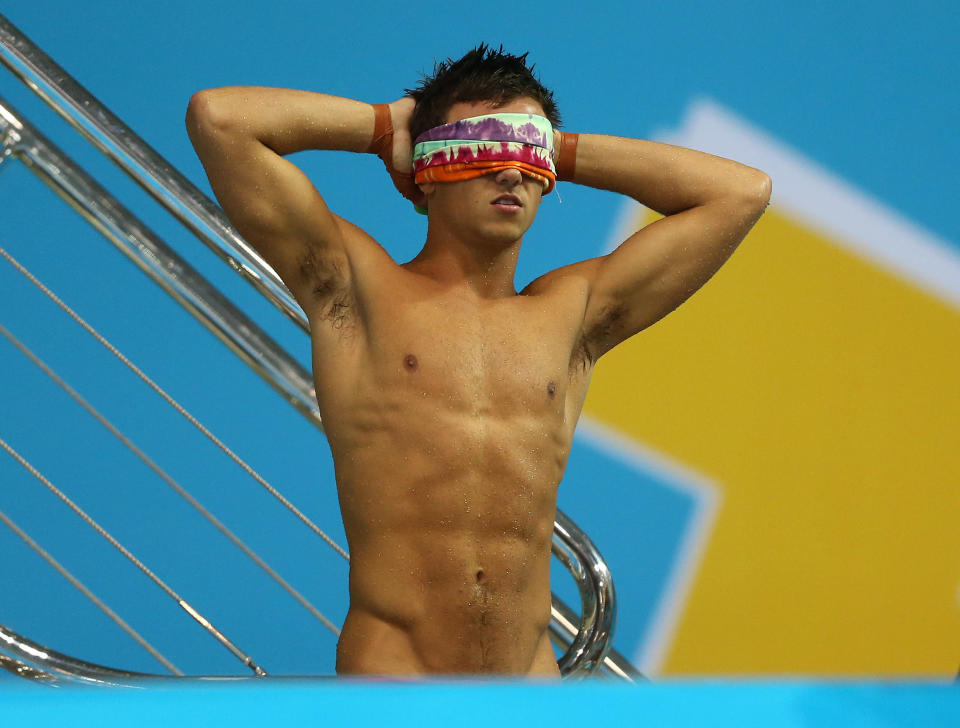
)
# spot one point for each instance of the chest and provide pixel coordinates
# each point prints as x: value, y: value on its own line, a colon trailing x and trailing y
x: 510, y: 353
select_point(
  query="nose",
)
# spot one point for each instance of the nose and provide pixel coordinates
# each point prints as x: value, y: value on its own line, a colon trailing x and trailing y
x: 509, y: 177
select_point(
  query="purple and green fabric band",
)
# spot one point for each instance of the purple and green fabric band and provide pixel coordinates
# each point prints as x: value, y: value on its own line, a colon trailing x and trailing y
x: 486, y: 144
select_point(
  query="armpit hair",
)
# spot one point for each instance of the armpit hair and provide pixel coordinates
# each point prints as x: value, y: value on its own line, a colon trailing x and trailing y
x: 581, y: 359
x: 606, y: 328
x: 329, y: 290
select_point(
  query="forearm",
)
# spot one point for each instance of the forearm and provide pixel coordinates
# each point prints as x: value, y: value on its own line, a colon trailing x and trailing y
x: 665, y: 178
x: 285, y: 120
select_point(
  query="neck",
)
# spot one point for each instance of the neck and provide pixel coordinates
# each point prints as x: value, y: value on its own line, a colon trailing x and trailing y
x: 485, y: 268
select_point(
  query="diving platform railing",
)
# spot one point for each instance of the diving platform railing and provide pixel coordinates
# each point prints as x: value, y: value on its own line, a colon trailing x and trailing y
x: 587, y: 637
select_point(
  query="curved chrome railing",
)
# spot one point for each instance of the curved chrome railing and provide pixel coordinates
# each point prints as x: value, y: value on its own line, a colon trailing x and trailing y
x: 587, y: 638
x: 576, y: 551
x: 41, y: 664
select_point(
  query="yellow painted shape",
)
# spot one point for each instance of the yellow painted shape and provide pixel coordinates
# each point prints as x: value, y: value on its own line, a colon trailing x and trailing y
x: 822, y: 394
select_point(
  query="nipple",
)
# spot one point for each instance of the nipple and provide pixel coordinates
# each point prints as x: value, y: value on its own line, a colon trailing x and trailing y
x: 551, y: 388
x: 410, y: 363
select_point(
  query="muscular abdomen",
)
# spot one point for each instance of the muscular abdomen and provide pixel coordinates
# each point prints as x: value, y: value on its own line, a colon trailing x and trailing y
x: 450, y: 547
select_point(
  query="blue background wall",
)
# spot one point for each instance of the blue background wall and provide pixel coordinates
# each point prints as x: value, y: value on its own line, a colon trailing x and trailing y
x: 860, y: 88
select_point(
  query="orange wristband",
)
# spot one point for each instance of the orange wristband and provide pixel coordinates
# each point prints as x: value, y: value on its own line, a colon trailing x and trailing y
x: 567, y: 156
x: 382, y: 142
x: 382, y: 146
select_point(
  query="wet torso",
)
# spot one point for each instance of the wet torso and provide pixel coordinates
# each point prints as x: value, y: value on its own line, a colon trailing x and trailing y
x: 450, y: 420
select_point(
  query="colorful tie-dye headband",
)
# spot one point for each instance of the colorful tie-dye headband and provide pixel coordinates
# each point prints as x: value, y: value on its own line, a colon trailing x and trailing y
x: 484, y: 145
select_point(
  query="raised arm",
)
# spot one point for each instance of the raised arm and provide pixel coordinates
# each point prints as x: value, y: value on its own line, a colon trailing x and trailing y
x: 710, y: 204
x: 241, y: 135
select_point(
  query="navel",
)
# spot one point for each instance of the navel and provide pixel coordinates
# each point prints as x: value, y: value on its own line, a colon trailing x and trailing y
x: 410, y: 363
x: 551, y: 388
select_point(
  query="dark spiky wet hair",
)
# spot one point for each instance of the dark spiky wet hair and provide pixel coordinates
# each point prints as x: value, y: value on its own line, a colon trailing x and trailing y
x: 483, y: 74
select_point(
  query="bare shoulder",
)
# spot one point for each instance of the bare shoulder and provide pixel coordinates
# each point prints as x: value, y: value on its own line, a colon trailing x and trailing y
x: 567, y: 279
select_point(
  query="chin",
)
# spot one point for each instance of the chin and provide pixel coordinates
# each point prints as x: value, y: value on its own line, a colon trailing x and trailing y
x: 504, y: 234
x: 513, y: 228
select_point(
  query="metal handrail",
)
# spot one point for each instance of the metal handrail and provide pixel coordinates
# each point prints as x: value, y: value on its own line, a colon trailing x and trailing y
x: 54, y: 665
x: 597, y: 598
x: 158, y: 260
x: 180, y: 197
x: 589, y: 643
x: 41, y: 664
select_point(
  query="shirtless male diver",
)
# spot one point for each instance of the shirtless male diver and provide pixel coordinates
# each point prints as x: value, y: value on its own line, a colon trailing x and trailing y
x: 449, y: 399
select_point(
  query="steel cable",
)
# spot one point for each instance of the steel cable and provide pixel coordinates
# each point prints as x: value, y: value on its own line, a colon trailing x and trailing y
x: 219, y: 525
x: 89, y: 594
x: 173, y: 403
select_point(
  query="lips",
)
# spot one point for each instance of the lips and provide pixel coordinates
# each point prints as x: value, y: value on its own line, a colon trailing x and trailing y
x: 512, y: 200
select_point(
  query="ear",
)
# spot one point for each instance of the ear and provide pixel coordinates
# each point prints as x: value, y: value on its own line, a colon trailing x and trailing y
x: 427, y: 188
